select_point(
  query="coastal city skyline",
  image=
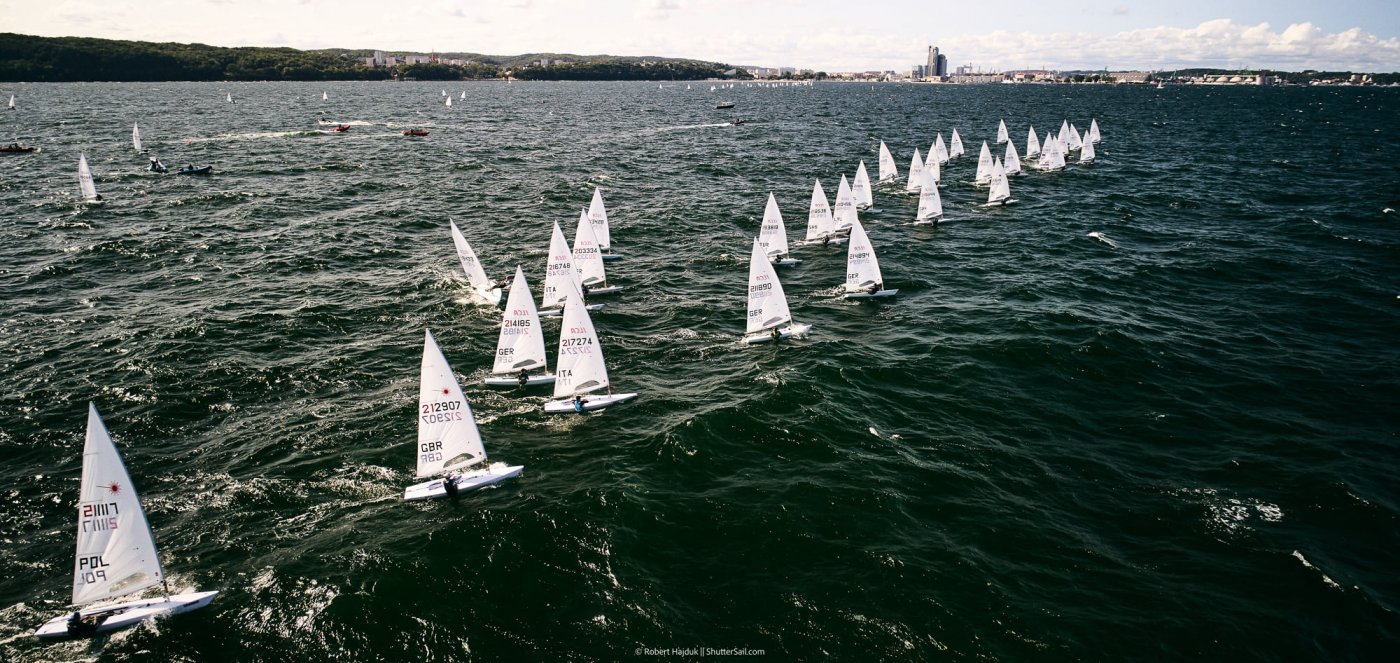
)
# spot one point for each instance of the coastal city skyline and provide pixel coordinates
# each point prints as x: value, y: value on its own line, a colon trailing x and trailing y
x: 1360, y: 36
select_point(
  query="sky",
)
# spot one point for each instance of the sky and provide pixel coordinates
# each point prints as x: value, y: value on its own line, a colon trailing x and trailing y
x: 824, y: 35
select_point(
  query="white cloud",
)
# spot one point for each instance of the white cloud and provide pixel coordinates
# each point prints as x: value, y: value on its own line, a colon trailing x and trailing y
x: 658, y: 10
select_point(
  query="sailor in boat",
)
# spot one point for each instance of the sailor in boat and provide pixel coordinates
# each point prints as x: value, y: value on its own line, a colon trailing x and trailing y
x: 449, y: 483
x: 524, y: 377
x: 79, y: 627
x: 777, y: 334
x: 578, y: 403
x: 876, y: 287
x: 584, y: 287
x: 156, y: 166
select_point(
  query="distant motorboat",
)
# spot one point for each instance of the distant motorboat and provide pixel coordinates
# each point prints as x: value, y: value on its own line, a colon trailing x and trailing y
x: 724, y: 104
x: 415, y: 132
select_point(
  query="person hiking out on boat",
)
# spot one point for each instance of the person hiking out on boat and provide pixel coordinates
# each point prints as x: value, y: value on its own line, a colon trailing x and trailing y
x: 523, y: 377
x: 585, y: 289
x: 578, y: 403
x: 449, y: 484
x: 777, y: 334
x: 876, y: 287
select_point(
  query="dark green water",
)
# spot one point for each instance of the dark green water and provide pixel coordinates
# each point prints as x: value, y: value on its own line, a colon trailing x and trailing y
x: 1048, y: 448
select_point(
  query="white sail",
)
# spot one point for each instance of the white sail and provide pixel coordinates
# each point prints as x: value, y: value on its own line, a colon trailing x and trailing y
x: 598, y: 214
x: 1032, y: 143
x: 916, y: 170
x: 931, y: 167
x: 955, y: 147
x: 85, y: 179
x: 116, y: 552
x: 464, y: 95
x: 588, y: 260
x: 482, y: 287
x: 862, y: 268
x: 1064, y: 135
x: 860, y: 187
x: 447, y: 434
x: 579, y: 368
x: 1001, y: 187
x: 1074, y: 141
x: 1086, y: 152
x: 136, y: 136
x: 940, y: 151
x: 1052, y: 157
x: 984, y: 165
x: 930, y: 202
x: 1012, y: 161
x: 768, y: 307
x: 772, y: 236
x: 12, y: 102
x: 521, y: 343
x: 228, y: 96
x: 1001, y: 133
x: 1093, y: 128
x: 820, y: 222
x: 559, y: 275
x: 324, y: 96
x: 888, y: 171
x: 449, y: 102
x: 844, y: 214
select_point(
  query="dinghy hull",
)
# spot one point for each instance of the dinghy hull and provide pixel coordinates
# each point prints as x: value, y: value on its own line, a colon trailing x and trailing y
x: 123, y: 615
x: 559, y: 312
x: 590, y: 403
x: 434, y: 489
x: 784, y: 332
x: 609, y: 257
x: 866, y: 295
x: 785, y: 262
x: 513, y: 381
x: 604, y: 290
x: 833, y: 241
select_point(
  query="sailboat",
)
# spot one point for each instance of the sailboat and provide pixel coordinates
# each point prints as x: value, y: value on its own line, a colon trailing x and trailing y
x: 939, y: 150
x: 955, y: 147
x: 598, y: 214
x: 1086, y: 152
x: 1093, y: 126
x: 559, y: 277
x: 1074, y: 141
x: 444, y: 92
x: 844, y: 214
x: 588, y: 260
x: 1000, y: 192
x: 12, y: 102
x: 136, y: 137
x: 863, y: 279
x: 1012, y: 161
x: 821, y: 225
x: 464, y: 95
x: 1064, y: 136
x: 1001, y: 133
x: 449, y: 102
x: 85, y: 180
x: 984, y: 166
x: 772, y: 235
x: 580, y: 367
x: 484, y: 291
x: 520, y: 347
x: 1032, y: 144
x: 930, y: 202
x: 888, y: 172
x: 116, y: 552
x: 931, y: 167
x: 860, y: 188
x: 324, y: 96
x: 449, y: 443
x: 768, y: 307
x: 916, y: 171
x: 1052, y: 155
x: 228, y: 96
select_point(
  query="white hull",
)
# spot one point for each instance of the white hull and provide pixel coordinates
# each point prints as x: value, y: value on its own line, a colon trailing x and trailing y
x: 1001, y: 203
x: 491, y: 297
x: 604, y: 290
x: 784, y: 332
x: 609, y: 257
x: 832, y: 241
x: 434, y: 489
x: 866, y: 294
x: 590, y: 403
x: 514, y: 381
x: 928, y: 222
x: 122, y: 615
x: 559, y: 312
x: 785, y: 262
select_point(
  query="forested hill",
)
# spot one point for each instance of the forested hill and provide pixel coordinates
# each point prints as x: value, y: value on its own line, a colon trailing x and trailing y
x: 59, y: 59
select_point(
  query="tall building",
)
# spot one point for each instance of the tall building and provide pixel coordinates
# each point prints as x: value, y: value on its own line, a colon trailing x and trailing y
x: 937, y: 66
x: 940, y: 68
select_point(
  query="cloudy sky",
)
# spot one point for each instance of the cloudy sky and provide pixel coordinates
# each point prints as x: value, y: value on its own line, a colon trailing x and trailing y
x: 832, y: 35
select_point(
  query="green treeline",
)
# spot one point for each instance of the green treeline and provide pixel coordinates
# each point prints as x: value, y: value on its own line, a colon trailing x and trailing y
x: 67, y: 59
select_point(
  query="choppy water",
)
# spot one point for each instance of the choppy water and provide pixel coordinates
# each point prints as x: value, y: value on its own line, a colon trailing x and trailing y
x: 1180, y: 444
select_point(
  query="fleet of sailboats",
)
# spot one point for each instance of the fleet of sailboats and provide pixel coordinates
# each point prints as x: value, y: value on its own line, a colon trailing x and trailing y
x: 116, y: 551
